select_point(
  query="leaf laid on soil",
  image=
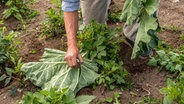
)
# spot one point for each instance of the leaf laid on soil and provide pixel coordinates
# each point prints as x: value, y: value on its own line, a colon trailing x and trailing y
x: 85, y: 99
x: 53, y: 71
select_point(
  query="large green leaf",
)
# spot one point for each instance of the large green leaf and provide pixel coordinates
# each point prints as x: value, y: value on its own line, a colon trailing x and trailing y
x: 84, y: 99
x: 143, y: 38
x: 151, y: 6
x: 131, y: 11
x: 53, y: 71
x: 142, y: 11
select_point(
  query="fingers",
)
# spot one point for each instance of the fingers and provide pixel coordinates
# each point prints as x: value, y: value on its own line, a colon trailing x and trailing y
x: 75, y: 64
x: 69, y: 61
x: 73, y: 61
x: 80, y: 59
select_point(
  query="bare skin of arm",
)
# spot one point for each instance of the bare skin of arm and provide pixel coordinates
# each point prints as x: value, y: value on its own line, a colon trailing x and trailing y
x: 71, y: 26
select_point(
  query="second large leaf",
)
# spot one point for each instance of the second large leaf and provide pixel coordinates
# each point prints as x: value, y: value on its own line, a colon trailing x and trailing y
x: 53, y: 71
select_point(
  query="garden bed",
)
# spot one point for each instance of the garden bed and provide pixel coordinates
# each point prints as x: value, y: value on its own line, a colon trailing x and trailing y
x: 146, y: 80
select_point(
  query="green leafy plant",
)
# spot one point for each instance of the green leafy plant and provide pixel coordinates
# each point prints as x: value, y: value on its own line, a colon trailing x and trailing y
x: 114, y: 16
x: 19, y: 9
x: 9, y: 63
x: 112, y: 74
x: 54, y: 97
x: 99, y: 41
x: 3, y: 47
x: 53, y: 71
x: 182, y: 37
x: 174, y: 92
x: 172, y: 27
x: 115, y: 99
x: 150, y: 100
x: 54, y: 22
x: 8, y: 44
x: 6, y: 77
x: 17, y: 65
x: 102, y: 45
x: 11, y: 71
x: 172, y: 61
x: 142, y: 12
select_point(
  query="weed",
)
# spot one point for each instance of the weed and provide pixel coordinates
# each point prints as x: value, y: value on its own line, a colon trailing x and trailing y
x: 13, y: 90
x: 33, y: 51
x: 54, y: 97
x: 182, y: 37
x: 6, y: 77
x: 114, y: 16
x: 19, y: 9
x: 149, y: 100
x: 54, y: 23
x: 102, y: 45
x: 172, y: 28
x: 174, y: 91
x: 8, y: 45
x: 172, y: 61
x: 114, y: 100
x: 18, y: 64
x: 9, y: 62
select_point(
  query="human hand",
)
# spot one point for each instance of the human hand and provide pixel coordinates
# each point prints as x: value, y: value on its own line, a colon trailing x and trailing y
x: 73, y: 57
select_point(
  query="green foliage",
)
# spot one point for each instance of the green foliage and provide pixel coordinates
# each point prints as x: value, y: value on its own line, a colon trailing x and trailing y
x: 134, y: 9
x: 9, y: 63
x: 143, y: 13
x: 17, y: 65
x: 54, y: 97
x: 172, y: 27
x: 13, y: 90
x: 174, y: 92
x: 149, y: 100
x: 3, y: 47
x: 114, y: 99
x: 53, y: 71
x: 182, y: 37
x: 172, y: 61
x: 114, y: 16
x: 6, y: 77
x: 162, y: 45
x: 54, y: 23
x: 9, y: 71
x: 102, y: 44
x: 8, y: 45
x: 112, y: 74
x: 19, y: 9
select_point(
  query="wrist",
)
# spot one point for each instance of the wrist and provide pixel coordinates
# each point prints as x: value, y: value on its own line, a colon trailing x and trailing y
x: 72, y: 43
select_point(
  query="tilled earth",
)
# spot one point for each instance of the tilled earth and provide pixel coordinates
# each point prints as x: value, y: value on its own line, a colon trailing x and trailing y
x: 146, y: 80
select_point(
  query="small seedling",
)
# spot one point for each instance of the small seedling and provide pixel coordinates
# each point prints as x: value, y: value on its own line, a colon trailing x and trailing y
x: 113, y: 100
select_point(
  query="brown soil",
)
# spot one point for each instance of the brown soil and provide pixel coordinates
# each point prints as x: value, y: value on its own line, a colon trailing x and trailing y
x: 146, y: 80
x: 171, y: 13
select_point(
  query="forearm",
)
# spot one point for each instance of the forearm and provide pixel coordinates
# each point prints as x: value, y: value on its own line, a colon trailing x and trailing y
x: 73, y: 56
x: 71, y: 26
